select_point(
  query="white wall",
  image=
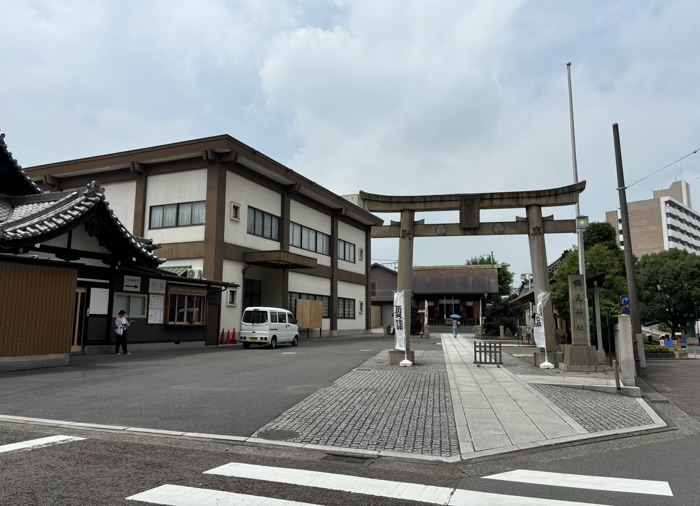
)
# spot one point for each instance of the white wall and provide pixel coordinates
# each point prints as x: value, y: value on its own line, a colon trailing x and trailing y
x: 245, y: 192
x: 174, y: 188
x: 231, y: 315
x: 121, y: 198
x: 357, y: 237
x: 357, y: 292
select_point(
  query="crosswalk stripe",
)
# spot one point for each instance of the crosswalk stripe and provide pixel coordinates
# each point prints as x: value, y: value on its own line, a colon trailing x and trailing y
x: 588, y: 482
x: 463, y: 497
x: 382, y: 488
x: 38, y: 443
x: 177, y: 495
x: 344, y: 483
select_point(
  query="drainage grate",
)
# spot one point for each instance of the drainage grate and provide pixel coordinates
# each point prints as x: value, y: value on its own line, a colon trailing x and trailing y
x: 278, y: 435
x: 658, y: 401
x: 345, y: 458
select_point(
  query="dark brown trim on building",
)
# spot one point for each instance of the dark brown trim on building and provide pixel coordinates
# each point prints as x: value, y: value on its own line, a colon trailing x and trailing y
x: 140, y: 211
x: 279, y: 259
x: 322, y: 271
x: 214, y: 221
x: 333, y: 304
x: 182, y: 250
x: 80, y: 180
x: 186, y: 164
x: 304, y: 200
x: 368, y: 277
x: 352, y: 277
x: 284, y: 221
x: 254, y: 177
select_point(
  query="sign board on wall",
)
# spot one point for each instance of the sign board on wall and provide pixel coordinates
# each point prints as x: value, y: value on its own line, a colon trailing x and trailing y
x: 156, y: 306
x: 156, y: 285
x: 132, y: 283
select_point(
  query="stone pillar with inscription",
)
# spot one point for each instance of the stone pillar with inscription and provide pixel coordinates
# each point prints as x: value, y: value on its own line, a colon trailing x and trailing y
x: 579, y: 355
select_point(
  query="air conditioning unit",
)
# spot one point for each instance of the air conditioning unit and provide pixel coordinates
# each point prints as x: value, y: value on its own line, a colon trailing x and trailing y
x: 194, y: 273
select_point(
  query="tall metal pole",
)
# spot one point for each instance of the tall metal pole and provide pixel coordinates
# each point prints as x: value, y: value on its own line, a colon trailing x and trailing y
x: 629, y: 259
x: 579, y: 232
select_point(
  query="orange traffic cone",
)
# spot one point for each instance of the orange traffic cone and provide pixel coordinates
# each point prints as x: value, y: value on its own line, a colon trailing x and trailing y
x: 222, y: 339
x: 228, y: 337
x: 233, y: 337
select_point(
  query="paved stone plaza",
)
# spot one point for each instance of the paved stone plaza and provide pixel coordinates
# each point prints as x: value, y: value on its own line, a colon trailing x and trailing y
x: 446, y: 407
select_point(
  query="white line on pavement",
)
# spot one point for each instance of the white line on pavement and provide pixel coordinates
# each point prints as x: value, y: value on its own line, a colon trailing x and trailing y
x: 381, y: 488
x: 38, y: 443
x: 587, y: 482
x: 176, y: 495
x: 344, y: 483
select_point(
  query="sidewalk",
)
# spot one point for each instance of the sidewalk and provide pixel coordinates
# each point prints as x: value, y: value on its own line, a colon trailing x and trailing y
x: 499, y: 410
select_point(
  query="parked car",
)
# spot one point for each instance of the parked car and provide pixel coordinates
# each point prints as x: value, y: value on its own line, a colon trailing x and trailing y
x: 268, y: 326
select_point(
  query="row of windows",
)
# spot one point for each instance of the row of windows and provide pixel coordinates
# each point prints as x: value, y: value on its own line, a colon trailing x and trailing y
x: 682, y: 220
x: 178, y: 215
x: 684, y: 232
x: 183, y: 308
x: 346, y: 251
x: 263, y: 224
x: 260, y: 223
x: 684, y: 243
x: 292, y: 298
x: 309, y: 239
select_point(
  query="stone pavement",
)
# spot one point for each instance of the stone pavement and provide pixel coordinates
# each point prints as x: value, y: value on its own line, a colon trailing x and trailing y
x: 446, y: 408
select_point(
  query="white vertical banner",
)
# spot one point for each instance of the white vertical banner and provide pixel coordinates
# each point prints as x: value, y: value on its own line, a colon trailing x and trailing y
x: 425, y: 315
x: 400, y: 320
x: 538, y: 325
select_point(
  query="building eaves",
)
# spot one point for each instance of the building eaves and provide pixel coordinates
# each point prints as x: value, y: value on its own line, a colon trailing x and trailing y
x: 16, y: 181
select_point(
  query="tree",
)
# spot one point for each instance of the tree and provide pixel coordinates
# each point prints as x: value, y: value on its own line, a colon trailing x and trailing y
x: 668, y: 284
x: 505, y: 276
x: 602, y: 256
x: 499, y: 313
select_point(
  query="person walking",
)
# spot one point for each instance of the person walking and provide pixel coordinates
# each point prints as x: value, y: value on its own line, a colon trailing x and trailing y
x: 455, y: 324
x: 121, y: 331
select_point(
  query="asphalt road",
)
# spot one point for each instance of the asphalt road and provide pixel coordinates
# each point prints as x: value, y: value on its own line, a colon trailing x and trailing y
x: 107, y: 467
x: 227, y: 390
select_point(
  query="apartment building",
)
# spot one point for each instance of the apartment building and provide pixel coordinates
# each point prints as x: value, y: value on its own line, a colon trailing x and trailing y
x: 221, y: 210
x: 664, y: 221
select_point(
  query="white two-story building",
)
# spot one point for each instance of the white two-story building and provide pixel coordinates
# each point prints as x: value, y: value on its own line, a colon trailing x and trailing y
x: 223, y: 211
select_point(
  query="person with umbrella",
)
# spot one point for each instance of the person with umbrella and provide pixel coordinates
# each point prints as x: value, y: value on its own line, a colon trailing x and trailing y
x: 455, y: 324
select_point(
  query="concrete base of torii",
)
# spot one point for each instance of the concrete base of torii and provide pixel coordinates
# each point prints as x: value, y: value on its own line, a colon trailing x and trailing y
x: 580, y: 358
x: 396, y: 356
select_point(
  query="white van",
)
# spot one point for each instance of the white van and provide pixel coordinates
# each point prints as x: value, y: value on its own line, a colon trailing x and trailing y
x: 268, y: 326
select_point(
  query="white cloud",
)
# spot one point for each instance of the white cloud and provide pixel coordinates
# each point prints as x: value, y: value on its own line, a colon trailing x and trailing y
x: 384, y: 96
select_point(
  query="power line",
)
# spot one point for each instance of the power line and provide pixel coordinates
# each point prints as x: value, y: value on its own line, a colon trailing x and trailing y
x: 664, y: 167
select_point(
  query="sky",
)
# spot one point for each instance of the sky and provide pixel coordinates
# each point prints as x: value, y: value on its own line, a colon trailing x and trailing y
x: 396, y: 97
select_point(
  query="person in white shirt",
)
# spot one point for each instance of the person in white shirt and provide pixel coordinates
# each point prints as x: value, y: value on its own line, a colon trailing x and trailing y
x: 121, y: 330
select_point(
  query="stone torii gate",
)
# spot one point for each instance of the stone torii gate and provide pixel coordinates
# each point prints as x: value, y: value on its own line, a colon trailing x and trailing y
x: 469, y: 206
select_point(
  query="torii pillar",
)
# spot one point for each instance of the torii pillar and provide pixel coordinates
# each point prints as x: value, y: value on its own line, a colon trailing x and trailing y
x: 404, y: 282
x: 540, y: 274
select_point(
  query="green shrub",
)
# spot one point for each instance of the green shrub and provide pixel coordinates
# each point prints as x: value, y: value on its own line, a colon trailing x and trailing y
x: 652, y: 348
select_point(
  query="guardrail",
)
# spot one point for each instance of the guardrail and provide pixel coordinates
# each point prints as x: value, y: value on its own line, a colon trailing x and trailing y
x: 488, y: 353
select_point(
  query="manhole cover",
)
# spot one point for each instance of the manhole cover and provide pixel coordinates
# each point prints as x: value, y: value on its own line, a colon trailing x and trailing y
x: 278, y: 435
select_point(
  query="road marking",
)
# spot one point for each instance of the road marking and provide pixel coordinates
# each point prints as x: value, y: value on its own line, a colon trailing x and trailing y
x: 382, y: 488
x: 288, y: 353
x: 38, y: 443
x: 463, y: 497
x: 344, y: 483
x: 587, y: 482
x: 366, y: 350
x: 176, y: 495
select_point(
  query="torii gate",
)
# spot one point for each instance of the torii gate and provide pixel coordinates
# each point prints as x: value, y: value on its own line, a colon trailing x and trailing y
x: 469, y: 206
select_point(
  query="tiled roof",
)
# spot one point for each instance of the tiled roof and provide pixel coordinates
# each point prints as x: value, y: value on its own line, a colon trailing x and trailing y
x: 16, y: 180
x: 32, y: 215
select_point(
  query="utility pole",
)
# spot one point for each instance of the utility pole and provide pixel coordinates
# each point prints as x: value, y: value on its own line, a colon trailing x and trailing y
x: 629, y: 259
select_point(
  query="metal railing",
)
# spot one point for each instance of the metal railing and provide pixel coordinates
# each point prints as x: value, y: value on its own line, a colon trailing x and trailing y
x: 488, y: 353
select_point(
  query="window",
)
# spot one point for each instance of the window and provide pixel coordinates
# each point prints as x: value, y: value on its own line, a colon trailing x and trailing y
x: 185, y: 308
x: 263, y: 224
x: 292, y: 302
x: 282, y: 317
x: 273, y: 317
x: 232, y: 297
x: 346, y: 251
x: 255, y: 316
x: 309, y: 239
x: 251, y: 292
x: 373, y: 288
x: 178, y: 215
x: 134, y: 305
x: 235, y: 211
x: 346, y: 309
